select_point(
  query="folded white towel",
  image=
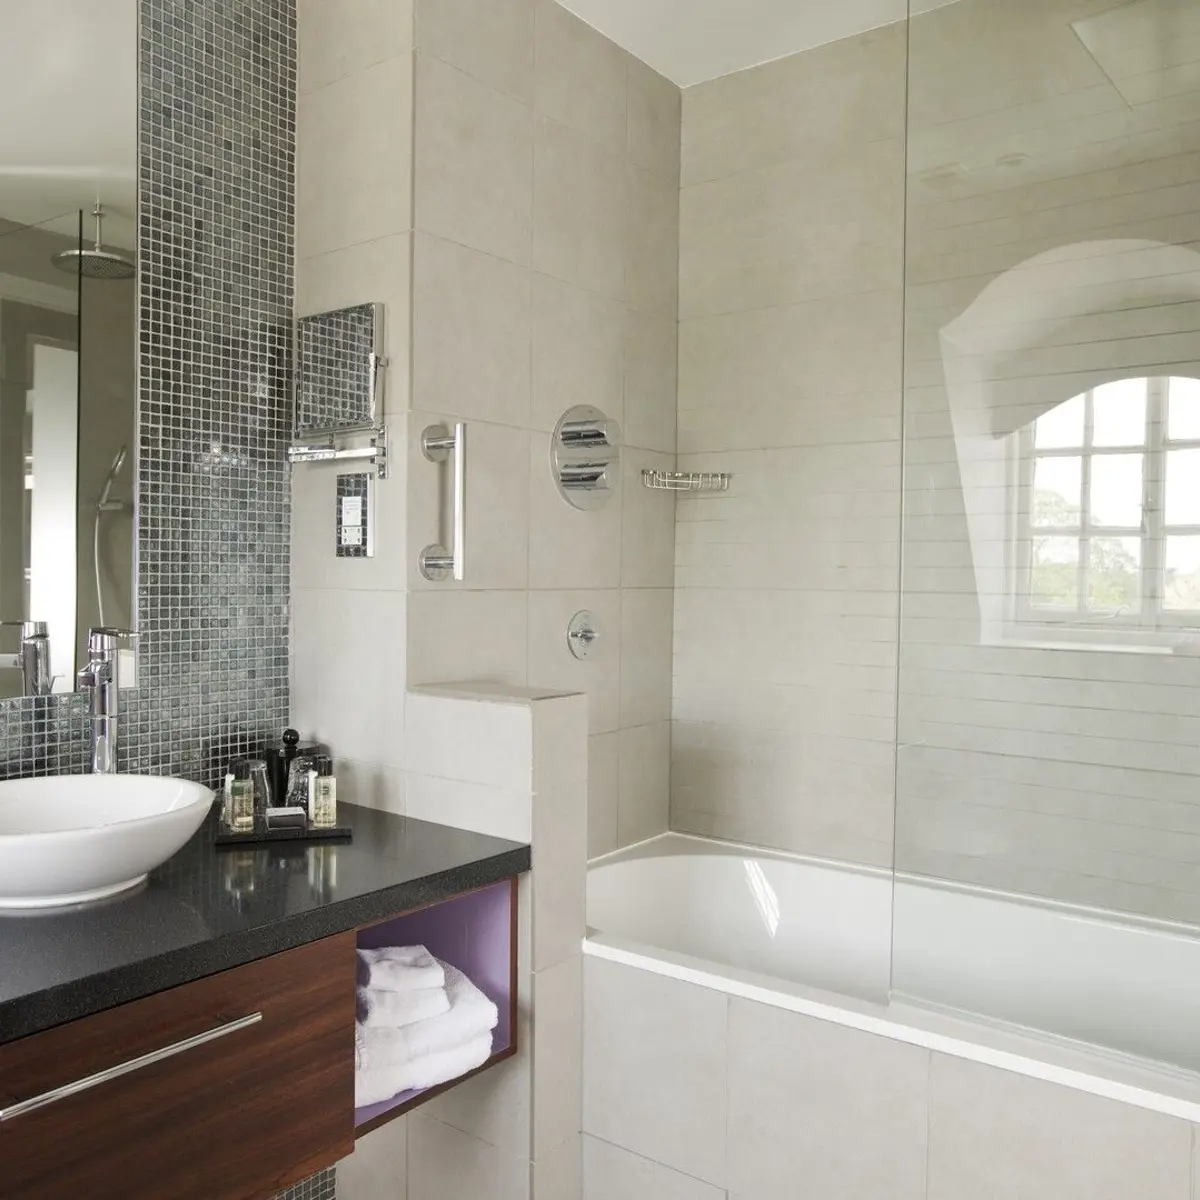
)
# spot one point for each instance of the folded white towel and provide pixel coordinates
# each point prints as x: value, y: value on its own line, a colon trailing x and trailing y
x: 396, y: 1009
x: 470, y: 1014
x: 374, y: 1086
x: 400, y: 969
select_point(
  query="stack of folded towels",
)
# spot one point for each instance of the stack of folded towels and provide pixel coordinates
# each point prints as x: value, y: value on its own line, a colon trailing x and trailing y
x: 421, y: 1022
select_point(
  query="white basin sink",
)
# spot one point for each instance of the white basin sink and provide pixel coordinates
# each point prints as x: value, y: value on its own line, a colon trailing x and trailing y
x: 67, y: 839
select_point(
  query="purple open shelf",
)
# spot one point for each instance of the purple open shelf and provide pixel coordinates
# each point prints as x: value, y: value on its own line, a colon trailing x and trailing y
x: 474, y: 933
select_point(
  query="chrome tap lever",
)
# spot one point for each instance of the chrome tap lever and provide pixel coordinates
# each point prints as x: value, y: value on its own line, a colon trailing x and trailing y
x: 100, y: 678
x: 33, y: 658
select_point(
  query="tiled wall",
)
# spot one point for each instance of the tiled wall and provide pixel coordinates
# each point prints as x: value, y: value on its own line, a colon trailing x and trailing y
x: 791, y: 274
x: 536, y: 228
x: 741, y: 1100
x: 546, y: 213
x: 1066, y: 773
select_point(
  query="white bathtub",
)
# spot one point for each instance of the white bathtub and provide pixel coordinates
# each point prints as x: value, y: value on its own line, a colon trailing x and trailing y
x: 1069, y: 995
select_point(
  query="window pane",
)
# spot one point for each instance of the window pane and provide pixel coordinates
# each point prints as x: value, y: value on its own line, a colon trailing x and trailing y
x: 1119, y: 413
x: 1117, y: 490
x: 1054, y: 578
x: 1061, y: 427
x: 1057, y: 487
x: 1183, y: 487
x: 1115, y: 575
x: 1183, y: 408
x: 1181, y: 587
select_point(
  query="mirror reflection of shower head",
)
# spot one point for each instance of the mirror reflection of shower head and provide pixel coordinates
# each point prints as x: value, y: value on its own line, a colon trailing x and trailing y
x: 104, y: 504
x: 95, y: 262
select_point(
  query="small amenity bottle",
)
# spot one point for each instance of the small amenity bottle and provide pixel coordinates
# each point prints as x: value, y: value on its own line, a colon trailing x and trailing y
x: 240, y: 804
x: 323, y: 810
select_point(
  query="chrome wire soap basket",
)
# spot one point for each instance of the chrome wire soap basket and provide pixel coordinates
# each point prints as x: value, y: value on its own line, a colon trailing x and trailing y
x: 686, y: 481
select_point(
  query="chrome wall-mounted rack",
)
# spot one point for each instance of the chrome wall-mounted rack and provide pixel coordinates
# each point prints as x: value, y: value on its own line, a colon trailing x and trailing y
x: 335, y: 449
x: 686, y: 481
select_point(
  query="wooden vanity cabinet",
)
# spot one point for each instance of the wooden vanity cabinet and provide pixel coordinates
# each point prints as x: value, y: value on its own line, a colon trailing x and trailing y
x: 255, y: 1094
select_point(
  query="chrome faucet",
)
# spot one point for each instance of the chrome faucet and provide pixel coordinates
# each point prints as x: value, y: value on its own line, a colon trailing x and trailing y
x: 100, y: 677
x: 33, y: 658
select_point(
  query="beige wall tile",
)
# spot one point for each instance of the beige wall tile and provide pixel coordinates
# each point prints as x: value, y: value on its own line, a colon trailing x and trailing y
x: 579, y: 210
x: 652, y: 252
x: 670, y: 1038
x: 784, y: 234
x: 354, y: 177
x: 368, y: 272
x: 475, y: 742
x: 473, y: 806
x: 559, y: 1175
x: 557, y: 1055
x: 378, y: 1168
x: 611, y: 1173
x: 348, y: 669
x: 497, y: 505
x: 843, y: 1110
x: 335, y: 40
x: 645, y: 782
x: 603, y: 791
x: 474, y: 150
x: 1002, y: 1135
x: 443, y: 1161
x: 580, y: 77
x: 471, y: 332
x: 854, y: 89
x: 560, y: 733
x: 559, y: 873
x: 467, y: 635
x: 370, y: 784
x: 655, y: 112
x: 648, y: 523
x: 647, y: 616
x: 569, y: 547
x: 578, y: 351
x: 495, y: 1106
x: 551, y: 663
x: 492, y: 41
x: 651, y: 381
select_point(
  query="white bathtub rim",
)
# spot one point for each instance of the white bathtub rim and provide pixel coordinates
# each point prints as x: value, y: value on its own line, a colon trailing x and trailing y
x: 1110, y: 1075
x: 672, y: 844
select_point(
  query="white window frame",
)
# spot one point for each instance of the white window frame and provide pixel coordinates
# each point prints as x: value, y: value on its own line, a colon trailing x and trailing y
x: 1151, y: 625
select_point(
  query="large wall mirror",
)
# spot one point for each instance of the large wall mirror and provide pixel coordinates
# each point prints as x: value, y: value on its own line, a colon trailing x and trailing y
x: 68, y: 302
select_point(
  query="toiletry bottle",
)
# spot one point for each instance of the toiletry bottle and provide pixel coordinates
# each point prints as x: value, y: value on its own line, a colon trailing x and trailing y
x: 301, y: 774
x: 323, y: 813
x: 241, y: 798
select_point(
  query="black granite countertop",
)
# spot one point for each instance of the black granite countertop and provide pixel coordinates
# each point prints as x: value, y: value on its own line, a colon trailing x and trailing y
x: 209, y: 908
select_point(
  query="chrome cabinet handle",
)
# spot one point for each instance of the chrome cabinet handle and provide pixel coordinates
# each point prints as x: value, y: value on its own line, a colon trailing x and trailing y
x: 438, y: 444
x: 126, y: 1068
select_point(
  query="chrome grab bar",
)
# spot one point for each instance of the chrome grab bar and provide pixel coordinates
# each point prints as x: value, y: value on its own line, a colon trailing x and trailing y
x: 438, y: 444
x: 126, y: 1068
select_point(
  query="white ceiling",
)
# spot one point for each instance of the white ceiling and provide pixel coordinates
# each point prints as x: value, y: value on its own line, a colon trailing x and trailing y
x: 68, y: 92
x: 690, y: 41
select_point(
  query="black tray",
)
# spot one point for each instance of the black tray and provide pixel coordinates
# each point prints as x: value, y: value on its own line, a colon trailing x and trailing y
x: 294, y: 833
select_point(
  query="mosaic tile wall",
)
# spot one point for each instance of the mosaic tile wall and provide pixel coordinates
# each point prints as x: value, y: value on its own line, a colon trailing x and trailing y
x: 216, y: 151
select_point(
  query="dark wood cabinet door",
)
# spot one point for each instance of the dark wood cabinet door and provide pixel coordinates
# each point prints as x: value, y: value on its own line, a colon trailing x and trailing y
x: 240, y: 1108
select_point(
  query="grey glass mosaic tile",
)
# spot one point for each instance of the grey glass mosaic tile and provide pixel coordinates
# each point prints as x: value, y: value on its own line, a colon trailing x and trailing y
x: 319, y: 1187
x: 215, y: 248
x: 337, y: 365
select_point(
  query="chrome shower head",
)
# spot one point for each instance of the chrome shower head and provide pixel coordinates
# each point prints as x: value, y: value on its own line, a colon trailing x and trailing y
x: 96, y: 262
